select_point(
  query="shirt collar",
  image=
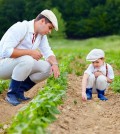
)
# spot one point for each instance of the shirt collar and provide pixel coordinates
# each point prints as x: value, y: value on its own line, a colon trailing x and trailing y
x: 31, y: 26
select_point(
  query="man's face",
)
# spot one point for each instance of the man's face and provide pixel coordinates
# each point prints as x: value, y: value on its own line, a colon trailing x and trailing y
x: 98, y: 63
x: 44, y: 28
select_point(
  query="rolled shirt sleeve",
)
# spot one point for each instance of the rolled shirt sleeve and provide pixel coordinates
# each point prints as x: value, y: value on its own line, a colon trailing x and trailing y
x: 12, y: 38
x: 45, y: 48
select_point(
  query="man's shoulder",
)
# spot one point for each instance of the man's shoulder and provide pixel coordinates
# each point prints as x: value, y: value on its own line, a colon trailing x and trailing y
x: 20, y: 26
x: 20, y: 23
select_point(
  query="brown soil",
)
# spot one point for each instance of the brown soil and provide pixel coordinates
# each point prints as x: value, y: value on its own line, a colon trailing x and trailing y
x: 7, y: 111
x: 77, y: 117
x: 91, y: 117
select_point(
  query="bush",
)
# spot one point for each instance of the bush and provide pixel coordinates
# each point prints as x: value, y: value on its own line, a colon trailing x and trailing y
x: 61, y: 26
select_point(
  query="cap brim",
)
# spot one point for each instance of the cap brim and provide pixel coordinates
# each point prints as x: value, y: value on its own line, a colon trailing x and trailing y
x: 92, y: 60
x: 56, y: 29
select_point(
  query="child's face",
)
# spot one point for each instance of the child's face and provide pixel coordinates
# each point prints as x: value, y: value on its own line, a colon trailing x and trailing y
x: 98, y: 63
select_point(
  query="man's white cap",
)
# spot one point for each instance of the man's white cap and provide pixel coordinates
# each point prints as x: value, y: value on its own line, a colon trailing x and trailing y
x: 95, y: 54
x: 51, y: 16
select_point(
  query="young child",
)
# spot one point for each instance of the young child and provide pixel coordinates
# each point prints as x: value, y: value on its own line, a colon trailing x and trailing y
x: 97, y: 76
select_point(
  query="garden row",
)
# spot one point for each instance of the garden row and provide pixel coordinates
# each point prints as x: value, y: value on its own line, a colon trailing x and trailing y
x: 41, y: 111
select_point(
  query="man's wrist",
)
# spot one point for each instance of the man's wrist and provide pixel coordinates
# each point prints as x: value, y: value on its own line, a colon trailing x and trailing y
x: 55, y: 63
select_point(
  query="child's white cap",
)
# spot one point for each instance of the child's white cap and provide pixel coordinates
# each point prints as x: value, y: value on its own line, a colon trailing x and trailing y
x: 51, y: 16
x: 95, y: 54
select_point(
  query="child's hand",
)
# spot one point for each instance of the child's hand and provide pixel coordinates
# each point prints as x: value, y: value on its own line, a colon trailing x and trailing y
x: 84, y: 96
x: 98, y: 73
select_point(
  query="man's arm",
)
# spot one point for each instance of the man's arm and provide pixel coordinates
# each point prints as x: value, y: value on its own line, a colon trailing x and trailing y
x: 54, y: 65
x: 49, y: 56
x: 21, y: 52
x: 52, y: 60
x: 12, y: 38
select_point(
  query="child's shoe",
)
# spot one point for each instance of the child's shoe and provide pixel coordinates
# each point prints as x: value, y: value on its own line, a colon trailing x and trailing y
x: 89, y: 93
x: 101, y: 95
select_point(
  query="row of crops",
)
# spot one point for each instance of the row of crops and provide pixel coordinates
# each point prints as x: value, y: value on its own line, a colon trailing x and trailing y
x: 41, y: 111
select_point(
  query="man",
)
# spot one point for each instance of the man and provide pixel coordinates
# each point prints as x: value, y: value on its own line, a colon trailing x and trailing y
x: 21, y: 50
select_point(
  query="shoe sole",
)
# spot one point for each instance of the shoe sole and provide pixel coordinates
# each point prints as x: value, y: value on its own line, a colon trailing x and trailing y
x: 11, y: 103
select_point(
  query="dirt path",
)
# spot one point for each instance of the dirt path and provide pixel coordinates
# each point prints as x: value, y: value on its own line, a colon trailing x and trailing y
x: 8, y: 111
x: 91, y: 117
x: 77, y: 117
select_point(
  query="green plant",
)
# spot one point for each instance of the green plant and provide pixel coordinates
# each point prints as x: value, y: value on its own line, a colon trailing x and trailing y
x: 35, y: 117
x: 61, y: 25
x: 3, y: 85
x: 116, y: 84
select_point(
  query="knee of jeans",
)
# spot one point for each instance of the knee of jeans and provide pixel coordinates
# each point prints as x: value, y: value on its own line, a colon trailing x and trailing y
x: 27, y: 61
x: 101, y: 79
x: 46, y: 68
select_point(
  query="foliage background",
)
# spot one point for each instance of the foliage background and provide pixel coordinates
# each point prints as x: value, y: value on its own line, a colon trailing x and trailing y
x: 78, y: 19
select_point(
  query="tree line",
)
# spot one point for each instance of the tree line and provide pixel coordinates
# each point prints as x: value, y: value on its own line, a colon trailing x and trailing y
x: 77, y: 18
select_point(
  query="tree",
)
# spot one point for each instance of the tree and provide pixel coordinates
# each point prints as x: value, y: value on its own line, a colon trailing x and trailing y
x: 33, y: 8
x: 11, y: 11
x: 85, y: 18
x: 61, y: 25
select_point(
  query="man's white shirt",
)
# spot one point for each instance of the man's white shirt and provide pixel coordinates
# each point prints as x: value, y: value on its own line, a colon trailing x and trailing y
x: 20, y: 36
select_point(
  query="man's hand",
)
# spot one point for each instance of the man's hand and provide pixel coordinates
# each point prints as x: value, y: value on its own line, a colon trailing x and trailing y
x: 98, y: 73
x: 55, y: 70
x: 54, y: 66
x: 22, y: 52
x: 36, y: 54
x: 84, y: 96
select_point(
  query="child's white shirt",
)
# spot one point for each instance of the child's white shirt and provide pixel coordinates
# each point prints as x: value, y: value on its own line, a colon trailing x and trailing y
x: 91, y: 69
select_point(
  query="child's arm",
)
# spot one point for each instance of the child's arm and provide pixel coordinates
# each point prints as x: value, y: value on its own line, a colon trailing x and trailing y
x: 84, y: 83
x: 109, y: 80
x: 110, y: 75
x: 98, y: 73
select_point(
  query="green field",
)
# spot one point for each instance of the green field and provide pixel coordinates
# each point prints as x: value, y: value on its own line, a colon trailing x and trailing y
x: 110, y: 44
x: 71, y: 55
x: 80, y: 48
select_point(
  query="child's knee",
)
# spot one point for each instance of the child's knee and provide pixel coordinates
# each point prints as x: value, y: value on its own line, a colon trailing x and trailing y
x: 101, y: 82
x: 101, y: 79
x: 91, y: 81
x: 91, y: 77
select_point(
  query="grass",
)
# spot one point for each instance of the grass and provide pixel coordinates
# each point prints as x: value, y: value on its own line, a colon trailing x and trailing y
x: 3, y: 85
x: 71, y: 54
x: 105, y: 43
x: 80, y: 48
x: 116, y: 84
